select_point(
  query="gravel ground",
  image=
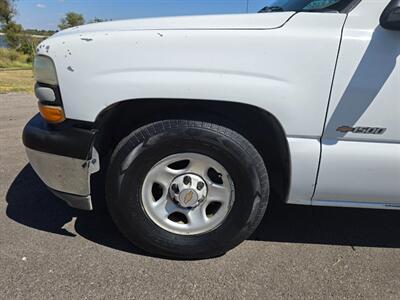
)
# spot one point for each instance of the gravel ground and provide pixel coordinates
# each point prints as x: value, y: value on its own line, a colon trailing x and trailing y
x: 48, y: 250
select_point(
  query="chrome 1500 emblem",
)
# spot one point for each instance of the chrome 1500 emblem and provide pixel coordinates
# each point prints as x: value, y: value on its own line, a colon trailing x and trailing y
x: 362, y: 130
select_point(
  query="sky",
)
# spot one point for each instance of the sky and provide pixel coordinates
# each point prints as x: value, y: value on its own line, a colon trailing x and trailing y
x: 46, y: 14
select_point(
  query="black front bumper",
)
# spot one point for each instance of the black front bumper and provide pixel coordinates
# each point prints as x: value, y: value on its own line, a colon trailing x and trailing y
x: 64, y: 139
x: 64, y: 158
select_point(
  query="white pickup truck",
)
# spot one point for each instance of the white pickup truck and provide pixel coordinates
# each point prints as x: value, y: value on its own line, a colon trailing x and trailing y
x: 194, y: 123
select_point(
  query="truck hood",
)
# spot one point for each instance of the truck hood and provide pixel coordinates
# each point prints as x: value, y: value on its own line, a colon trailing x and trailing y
x: 210, y: 22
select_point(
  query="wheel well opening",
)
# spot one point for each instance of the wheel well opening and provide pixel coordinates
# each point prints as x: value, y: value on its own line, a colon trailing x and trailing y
x: 258, y: 126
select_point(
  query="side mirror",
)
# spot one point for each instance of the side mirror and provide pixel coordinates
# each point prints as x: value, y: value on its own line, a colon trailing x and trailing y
x: 390, y: 18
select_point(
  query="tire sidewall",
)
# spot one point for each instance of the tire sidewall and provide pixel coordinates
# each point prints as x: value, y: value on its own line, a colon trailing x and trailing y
x: 140, y: 151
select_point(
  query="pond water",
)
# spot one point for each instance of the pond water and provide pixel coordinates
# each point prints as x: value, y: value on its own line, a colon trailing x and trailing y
x: 3, y: 43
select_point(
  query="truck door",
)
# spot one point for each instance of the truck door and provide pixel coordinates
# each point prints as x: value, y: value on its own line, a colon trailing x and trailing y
x: 360, y: 160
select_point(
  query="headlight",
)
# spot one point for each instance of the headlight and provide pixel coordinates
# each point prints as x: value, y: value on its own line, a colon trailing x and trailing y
x: 44, y: 70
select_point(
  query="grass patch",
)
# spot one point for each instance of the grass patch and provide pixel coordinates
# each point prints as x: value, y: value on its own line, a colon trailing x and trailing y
x: 16, y: 81
x: 10, y: 58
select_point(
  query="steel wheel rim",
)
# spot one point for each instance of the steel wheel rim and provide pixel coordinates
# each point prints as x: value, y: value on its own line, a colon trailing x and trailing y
x: 207, y: 208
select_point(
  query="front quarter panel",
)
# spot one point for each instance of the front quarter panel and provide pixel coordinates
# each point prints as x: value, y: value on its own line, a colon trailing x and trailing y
x: 286, y: 71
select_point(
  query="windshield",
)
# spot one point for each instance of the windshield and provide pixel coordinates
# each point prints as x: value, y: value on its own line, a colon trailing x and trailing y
x: 301, y: 5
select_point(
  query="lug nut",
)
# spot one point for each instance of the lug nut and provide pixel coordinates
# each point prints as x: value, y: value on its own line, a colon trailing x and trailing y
x: 187, y: 180
x: 200, y: 186
x: 175, y: 188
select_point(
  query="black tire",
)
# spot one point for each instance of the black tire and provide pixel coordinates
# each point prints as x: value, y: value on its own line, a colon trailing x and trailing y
x: 158, y: 140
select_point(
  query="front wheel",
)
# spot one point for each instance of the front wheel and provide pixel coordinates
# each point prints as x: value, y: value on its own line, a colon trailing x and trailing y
x: 186, y: 189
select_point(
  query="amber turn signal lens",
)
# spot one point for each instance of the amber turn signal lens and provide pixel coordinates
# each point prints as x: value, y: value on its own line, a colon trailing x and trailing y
x: 52, y: 114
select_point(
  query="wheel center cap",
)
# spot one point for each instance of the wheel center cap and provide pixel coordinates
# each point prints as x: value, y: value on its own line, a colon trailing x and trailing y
x: 188, y: 190
x: 188, y: 197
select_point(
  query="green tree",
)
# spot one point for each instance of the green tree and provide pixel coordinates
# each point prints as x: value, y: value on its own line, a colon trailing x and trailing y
x: 12, y: 33
x: 15, y: 36
x: 11, y: 29
x: 7, y: 11
x: 98, y: 20
x: 28, y: 46
x: 71, y: 19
